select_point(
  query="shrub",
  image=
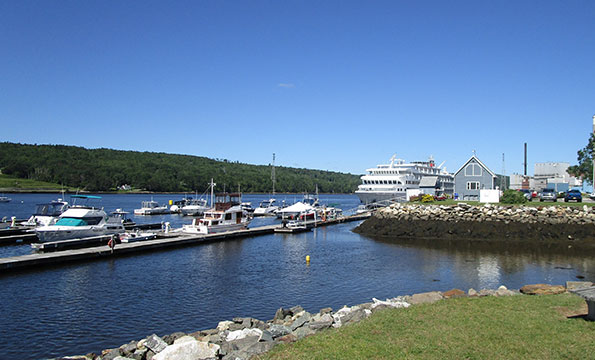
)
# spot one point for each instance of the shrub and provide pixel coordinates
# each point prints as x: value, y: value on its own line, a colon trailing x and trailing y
x: 513, y: 197
x: 427, y: 198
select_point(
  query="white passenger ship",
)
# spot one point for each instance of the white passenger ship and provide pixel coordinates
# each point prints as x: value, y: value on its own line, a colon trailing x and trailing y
x: 399, y: 180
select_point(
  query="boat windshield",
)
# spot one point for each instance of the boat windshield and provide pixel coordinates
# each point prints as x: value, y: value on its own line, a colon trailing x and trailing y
x: 48, y: 209
x: 70, y: 221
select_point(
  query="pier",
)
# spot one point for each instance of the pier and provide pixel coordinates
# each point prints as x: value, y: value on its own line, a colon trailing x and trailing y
x: 166, y: 241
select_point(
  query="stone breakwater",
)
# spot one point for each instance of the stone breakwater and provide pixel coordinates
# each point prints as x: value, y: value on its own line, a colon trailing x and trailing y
x: 552, y: 226
x: 242, y: 338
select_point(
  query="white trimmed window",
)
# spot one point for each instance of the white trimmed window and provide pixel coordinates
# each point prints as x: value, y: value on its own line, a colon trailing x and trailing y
x: 473, y: 169
x: 472, y: 185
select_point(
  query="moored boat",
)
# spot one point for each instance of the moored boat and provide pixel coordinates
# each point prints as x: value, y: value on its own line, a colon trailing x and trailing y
x: 151, y: 208
x: 398, y: 180
x: 80, y: 221
x: 266, y: 208
x: 47, y: 214
x: 227, y: 215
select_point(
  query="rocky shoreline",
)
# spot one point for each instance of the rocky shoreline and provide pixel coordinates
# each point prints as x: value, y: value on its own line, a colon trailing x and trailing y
x: 242, y: 338
x: 554, y: 227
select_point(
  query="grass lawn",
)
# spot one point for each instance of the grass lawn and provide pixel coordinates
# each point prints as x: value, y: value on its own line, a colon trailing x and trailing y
x: 534, y: 203
x: 8, y: 183
x: 518, y: 327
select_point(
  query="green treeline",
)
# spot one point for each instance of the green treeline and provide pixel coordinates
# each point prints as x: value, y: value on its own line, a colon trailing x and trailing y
x: 106, y: 169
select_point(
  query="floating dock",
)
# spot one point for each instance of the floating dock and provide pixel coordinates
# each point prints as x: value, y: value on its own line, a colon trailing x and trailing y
x: 168, y: 240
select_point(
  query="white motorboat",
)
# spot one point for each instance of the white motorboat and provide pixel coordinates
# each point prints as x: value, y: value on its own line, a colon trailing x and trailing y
x: 47, y: 214
x: 137, y: 236
x: 4, y: 199
x: 80, y: 221
x: 226, y: 216
x: 151, y: 208
x: 293, y: 211
x: 247, y: 207
x: 194, y: 207
x: 266, y: 208
x: 398, y: 180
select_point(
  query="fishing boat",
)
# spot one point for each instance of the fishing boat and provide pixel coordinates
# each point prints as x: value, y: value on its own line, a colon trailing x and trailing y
x: 227, y: 215
x: 81, y: 221
x: 151, y: 208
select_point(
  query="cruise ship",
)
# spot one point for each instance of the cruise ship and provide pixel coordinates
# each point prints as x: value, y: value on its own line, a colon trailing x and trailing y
x: 398, y: 180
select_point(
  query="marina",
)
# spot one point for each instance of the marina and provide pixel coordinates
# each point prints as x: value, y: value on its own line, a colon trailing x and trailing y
x: 187, y: 283
x: 167, y: 240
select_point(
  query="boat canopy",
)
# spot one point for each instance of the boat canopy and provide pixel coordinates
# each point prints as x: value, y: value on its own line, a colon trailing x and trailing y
x: 85, y: 196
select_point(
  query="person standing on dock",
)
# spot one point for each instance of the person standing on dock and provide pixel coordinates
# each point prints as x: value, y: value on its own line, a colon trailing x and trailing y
x: 112, y: 242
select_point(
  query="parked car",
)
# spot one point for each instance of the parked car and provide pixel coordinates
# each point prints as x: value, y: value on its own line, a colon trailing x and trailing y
x: 573, y: 195
x: 548, y: 194
x: 527, y: 193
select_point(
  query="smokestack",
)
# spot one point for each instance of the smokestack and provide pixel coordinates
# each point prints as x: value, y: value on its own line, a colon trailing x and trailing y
x: 525, y: 163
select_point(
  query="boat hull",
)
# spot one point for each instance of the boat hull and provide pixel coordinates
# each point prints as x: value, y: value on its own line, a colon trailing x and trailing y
x: 57, y: 233
x: 369, y: 197
x: 203, y: 229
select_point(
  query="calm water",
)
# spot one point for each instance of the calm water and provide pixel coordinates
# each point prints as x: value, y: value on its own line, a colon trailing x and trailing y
x: 88, y: 307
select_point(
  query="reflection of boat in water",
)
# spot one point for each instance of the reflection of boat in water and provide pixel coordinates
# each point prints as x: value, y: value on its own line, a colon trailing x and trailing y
x: 151, y: 208
x: 47, y: 214
x: 266, y: 208
x: 81, y: 221
x: 226, y: 216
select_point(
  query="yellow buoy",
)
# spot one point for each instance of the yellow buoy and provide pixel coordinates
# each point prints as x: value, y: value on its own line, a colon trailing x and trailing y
x: 307, y: 259
x: 171, y: 202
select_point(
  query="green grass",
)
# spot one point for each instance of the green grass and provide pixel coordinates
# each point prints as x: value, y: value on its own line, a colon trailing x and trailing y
x: 519, y: 327
x: 534, y: 203
x: 8, y: 183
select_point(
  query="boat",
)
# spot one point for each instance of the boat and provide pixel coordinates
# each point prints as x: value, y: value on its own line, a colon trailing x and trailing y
x: 4, y: 199
x: 81, y: 221
x: 398, y: 180
x: 177, y: 205
x: 247, y: 207
x: 293, y: 211
x: 47, y: 214
x: 227, y: 215
x: 151, y: 208
x: 194, y: 207
x: 266, y: 208
x: 129, y: 237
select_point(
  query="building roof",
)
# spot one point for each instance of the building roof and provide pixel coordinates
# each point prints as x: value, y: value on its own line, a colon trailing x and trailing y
x: 428, y: 181
x: 479, y: 162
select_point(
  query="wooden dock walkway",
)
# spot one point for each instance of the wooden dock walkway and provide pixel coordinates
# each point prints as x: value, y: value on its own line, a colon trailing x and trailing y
x: 171, y: 240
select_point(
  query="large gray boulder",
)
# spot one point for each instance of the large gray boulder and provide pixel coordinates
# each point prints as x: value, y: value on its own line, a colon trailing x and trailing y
x: 188, y: 347
x: 300, y: 321
x: 425, y: 298
x: 279, y: 330
x: 155, y: 343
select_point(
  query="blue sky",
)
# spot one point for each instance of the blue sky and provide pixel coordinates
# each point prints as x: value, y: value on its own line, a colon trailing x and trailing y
x: 332, y: 85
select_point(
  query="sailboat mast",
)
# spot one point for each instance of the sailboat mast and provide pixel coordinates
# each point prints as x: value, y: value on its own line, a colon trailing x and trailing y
x: 212, y: 193
x: 273, y: 174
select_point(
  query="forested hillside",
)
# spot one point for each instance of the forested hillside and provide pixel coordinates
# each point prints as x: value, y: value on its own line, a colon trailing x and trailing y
x: 106, y: 169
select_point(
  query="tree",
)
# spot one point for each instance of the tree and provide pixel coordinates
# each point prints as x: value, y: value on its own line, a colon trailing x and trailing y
x: 584, y: 169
